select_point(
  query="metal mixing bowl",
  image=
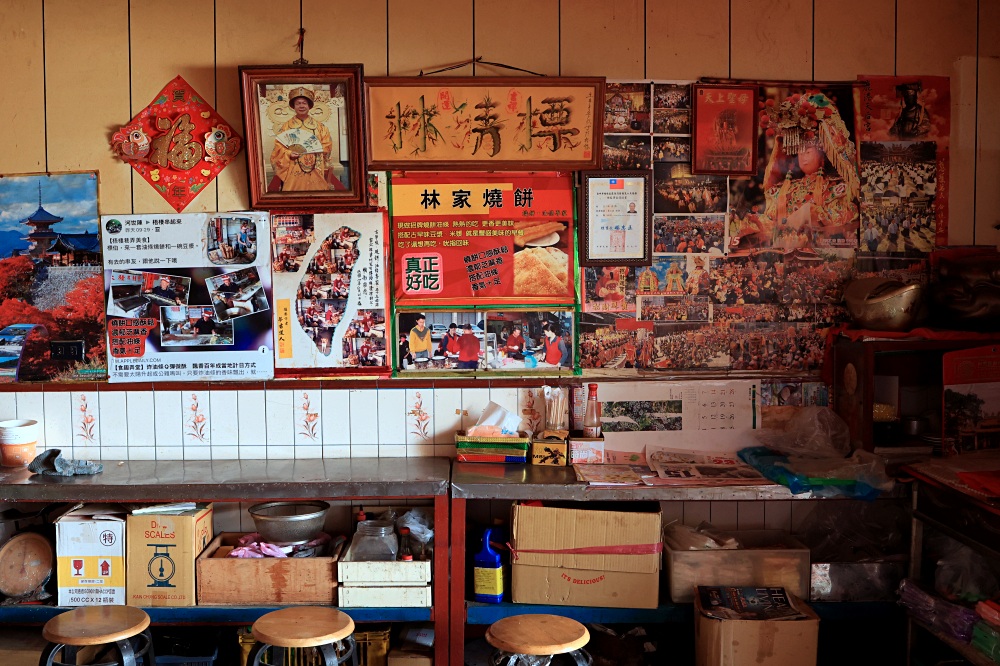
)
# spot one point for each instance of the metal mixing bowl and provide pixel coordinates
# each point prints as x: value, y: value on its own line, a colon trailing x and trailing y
x: 289, y: 523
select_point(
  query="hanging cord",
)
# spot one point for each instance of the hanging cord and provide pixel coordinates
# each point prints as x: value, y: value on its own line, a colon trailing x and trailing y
x: 479, y: 60
x: 300, y: 45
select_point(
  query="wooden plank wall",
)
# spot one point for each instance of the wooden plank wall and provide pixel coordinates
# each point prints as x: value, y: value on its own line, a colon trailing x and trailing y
x: 75, y: 71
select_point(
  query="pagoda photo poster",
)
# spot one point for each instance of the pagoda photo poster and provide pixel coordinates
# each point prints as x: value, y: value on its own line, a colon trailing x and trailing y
x: 51, y: 285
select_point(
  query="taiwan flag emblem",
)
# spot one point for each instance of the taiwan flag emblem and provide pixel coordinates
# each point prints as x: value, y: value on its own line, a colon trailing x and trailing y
x: 616, y: 184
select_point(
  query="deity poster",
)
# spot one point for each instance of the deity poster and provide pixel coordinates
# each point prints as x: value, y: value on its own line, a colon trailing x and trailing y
x: 330, y: 294
x: 503, y: 238
x: 188, y: 297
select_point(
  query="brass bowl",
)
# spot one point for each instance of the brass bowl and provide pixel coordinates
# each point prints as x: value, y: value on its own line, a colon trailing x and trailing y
x: 883, y: 304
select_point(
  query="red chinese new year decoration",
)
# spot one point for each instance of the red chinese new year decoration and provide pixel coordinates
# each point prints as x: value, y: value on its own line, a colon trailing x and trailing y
x: 178, y: 143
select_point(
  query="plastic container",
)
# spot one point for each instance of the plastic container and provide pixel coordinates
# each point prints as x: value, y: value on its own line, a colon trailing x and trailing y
x: 488, y: 573
x: 375, y: 541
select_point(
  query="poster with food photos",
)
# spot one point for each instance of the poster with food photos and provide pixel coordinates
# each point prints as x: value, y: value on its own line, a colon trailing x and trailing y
x: 330, y: 294
x: 188, y: 297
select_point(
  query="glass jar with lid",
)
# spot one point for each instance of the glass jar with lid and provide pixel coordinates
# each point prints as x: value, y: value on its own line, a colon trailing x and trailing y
x: 374, y: 541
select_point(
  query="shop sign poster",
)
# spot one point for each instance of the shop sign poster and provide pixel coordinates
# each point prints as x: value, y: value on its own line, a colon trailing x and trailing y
x: 330, y: 294
x: 188, y: 297
x: 502, y: 238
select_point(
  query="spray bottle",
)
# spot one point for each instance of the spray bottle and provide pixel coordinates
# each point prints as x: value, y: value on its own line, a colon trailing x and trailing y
x: 488, y: 573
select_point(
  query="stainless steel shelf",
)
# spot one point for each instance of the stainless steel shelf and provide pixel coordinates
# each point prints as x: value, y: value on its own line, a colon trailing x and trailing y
x: 234, y: 480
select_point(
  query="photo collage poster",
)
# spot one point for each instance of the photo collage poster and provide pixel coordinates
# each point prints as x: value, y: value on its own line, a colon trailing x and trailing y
x: 330, y: 293
x: 188, y: 297
x: 905, y: 130
x: 747, y: 271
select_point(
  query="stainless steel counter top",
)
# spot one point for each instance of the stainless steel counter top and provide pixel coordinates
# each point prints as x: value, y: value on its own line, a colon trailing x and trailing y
x: 529, y: 482
x: 166, y: 481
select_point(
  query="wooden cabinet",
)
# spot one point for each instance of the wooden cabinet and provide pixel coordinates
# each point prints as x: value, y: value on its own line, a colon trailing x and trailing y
x: 902, y: 372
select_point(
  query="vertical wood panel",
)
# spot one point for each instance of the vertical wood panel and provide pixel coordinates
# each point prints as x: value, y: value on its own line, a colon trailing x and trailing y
x: 341, y: 31
x: 687, y: 40
x: 21, y: 52
x: 519, y: 33
x: 935, y: 38
x: 157, y: 56
x: 600, y: 38
x: 772, y: 39
x: 854, y: 37
x: 430, y: 36
x: 87, y: 92
x: 988, y: 140
x: 247, y: 32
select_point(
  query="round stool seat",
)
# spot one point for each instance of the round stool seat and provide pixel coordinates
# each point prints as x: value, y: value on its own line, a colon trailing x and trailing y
x: 95, y: 625
x: 537, y: 634
x: 308, y: 626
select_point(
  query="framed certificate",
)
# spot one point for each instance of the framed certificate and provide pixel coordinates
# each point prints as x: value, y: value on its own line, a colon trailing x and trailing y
x: 616, y: 220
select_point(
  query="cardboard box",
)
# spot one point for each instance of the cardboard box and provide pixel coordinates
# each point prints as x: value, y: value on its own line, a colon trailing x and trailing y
x: 233, y: 581
x: 546, y: 573
x: 403, y: 596
x: 410, y: 657
x: 549, y: 452
x: 586, y: 450
x: 90, y: 555
x: 161, y: 554
x: 745, y: 642
x: 771, y: 557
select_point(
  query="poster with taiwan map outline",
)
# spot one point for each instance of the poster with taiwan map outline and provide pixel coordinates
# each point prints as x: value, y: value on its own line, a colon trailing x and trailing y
x: 330, y: 294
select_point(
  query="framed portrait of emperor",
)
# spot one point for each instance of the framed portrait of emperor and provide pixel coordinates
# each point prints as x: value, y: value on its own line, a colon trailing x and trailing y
x: 304, y: 129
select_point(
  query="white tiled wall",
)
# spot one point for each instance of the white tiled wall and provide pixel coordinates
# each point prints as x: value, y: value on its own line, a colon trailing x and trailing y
x: 278, y: 423
x: 230, y: 424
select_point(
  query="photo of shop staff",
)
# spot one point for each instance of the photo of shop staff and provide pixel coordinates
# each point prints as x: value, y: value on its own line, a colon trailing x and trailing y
x: 442, y: 340
x: 193, y: 326
x: 672, y: 149
x: 231, y: 240
x: 531, y: 339
x: 671, y: 96
x: 237, y: 294
x: 140, y: 294
x: 677, y: 190
x: 364, y: 352
x: 627, y: 153
x: 671, y: 121
x: 688, y: 234
x: 367, y: 324
x: 291, y: 237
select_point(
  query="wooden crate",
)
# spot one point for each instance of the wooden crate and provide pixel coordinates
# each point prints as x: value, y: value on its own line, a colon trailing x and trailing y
x: 232, y: 581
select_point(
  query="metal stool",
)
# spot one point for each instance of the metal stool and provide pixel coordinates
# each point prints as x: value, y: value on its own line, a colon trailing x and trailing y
x: 114, y: 627
x: 519, y: 637
x: 328, y: 630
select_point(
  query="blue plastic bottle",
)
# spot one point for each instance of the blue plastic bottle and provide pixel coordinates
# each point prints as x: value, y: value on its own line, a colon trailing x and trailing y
x: 487, y: 573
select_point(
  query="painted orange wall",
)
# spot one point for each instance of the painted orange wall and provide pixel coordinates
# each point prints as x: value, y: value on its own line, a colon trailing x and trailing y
x: 74, y: 71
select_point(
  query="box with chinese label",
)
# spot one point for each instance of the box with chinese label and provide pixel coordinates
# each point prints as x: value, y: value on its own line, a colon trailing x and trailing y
x: 90, y: 555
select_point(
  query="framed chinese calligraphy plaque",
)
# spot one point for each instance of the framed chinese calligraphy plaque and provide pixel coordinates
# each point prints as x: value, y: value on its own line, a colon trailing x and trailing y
x: 304, y: 128
x: 616, y: 222
x: 501, y: 123
x: 724, y: 140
